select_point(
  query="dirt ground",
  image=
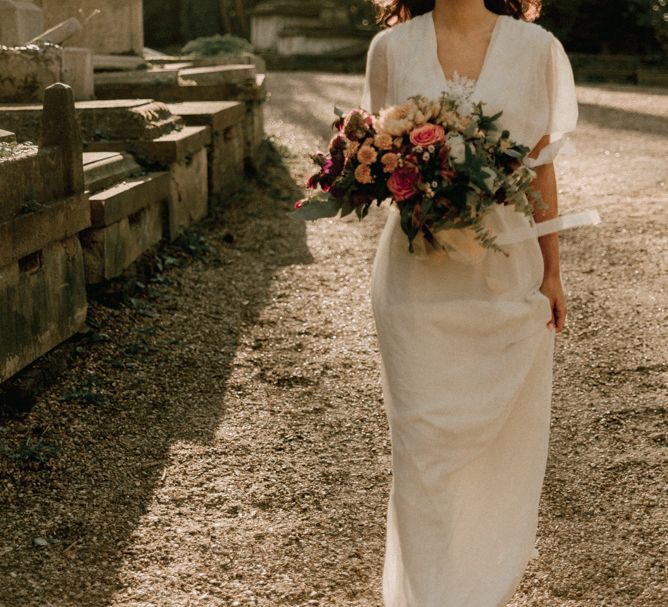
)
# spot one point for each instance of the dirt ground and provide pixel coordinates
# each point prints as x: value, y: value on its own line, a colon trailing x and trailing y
x: 219, y: 439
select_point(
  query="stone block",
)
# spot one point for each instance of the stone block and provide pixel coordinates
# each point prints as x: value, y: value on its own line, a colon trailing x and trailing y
x: 7, y: 137
x: 42, y: 303
x: 127, y: 221
x: 78, y: 72
x: 226, y: 148
x: 27, y: 71
x: 31, y: 231
x: 117, y: 30
x: 189, y: 197
x: 322, y: 41
x: 269, y: 19
x: 105, y: 169
x: 20, y: 22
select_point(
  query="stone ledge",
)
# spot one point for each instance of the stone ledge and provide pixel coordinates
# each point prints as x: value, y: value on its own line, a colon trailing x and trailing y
x: 218, y: 115
x: 7, y: 137
x: 165, y: 150
x: 25, y: 234
x: 128, y: 197
x: 99, y: 120
x: 104, y: 169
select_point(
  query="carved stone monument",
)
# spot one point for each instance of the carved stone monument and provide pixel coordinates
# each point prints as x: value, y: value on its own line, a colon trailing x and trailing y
x: 27, y: 69
x: 118, y: 28
x: 20, y: 21
x: 311, y: 28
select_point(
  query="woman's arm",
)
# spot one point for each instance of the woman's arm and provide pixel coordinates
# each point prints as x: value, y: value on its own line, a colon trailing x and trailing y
x: 546, y: 183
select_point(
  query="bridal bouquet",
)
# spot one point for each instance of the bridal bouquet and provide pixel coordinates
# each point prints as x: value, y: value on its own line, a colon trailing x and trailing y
x: 443, y: 162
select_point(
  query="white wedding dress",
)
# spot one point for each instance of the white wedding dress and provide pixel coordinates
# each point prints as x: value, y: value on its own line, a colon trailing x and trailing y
x: 466, y: 353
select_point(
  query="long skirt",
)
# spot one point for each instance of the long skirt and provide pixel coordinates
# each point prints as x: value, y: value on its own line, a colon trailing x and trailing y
x: 466, y: 375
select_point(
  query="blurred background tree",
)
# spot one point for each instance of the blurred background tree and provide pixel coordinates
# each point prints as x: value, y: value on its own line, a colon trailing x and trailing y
x: 638, y: 27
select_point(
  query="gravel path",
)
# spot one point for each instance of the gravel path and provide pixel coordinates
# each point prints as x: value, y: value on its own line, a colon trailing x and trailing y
x: 220, y: 439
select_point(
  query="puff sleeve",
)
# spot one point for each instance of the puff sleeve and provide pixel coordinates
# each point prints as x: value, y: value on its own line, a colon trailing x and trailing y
x: 376, y: 78
x: 562, y: 102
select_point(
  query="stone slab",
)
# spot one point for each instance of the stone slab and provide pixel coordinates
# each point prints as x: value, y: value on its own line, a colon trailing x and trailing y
x: 104, y: 169
x: 234, y: 74
x: 30, y: 232
x: 145, y: 78
x: 214, y: 114
x: 109, y: 251
x: 163, y: 151
x: 7, y: 137
x: 42, y: 303
x: 226, y: 148
x: 227, y: 82
x: 127, y: 197
x: 117, y: 62
x: 99, y: 120
x: 23, y: 184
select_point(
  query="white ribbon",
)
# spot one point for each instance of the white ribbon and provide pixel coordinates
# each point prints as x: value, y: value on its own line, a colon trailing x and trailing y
x: 564, y: 222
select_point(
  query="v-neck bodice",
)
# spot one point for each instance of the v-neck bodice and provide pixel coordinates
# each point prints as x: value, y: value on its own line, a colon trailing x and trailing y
x: 432, y: 38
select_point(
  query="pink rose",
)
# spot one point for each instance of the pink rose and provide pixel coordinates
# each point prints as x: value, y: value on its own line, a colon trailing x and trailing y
x: 428, y: 134
x: 403, y: 182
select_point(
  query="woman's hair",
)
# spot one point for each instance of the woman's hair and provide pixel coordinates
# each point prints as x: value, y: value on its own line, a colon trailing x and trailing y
x: 393, y: 11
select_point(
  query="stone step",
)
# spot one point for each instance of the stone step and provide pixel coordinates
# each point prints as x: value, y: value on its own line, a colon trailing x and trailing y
x: 127, y: 220
x: 218, y: 115
x: 170, y: 148
x: 104, y: 169
x: 219, y: 74
x: 128, y: 197
x: 118, y: 62
x: 7, y: 137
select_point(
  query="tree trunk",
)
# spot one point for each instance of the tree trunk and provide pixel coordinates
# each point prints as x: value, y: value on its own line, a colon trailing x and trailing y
x: 224, y: 13
x: 241, y: 14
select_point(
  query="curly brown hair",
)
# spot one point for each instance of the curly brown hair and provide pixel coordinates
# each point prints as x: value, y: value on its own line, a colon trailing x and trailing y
x: 402, y: 10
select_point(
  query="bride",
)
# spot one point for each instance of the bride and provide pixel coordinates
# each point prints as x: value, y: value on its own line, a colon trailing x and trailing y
x: 467, y: 341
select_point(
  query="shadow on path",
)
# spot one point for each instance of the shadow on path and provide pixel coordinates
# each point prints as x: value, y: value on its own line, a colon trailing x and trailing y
x: 615, y: 118
x: 80, y: 470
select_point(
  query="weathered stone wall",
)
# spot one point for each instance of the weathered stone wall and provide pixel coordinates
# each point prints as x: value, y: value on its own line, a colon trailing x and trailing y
x: 55, y: 239
x: 27, y: 71
x: 42, y: 210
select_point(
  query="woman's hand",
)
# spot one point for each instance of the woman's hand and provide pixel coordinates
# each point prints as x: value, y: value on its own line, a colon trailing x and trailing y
x: 546, y: 183
x: 553, y: 290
